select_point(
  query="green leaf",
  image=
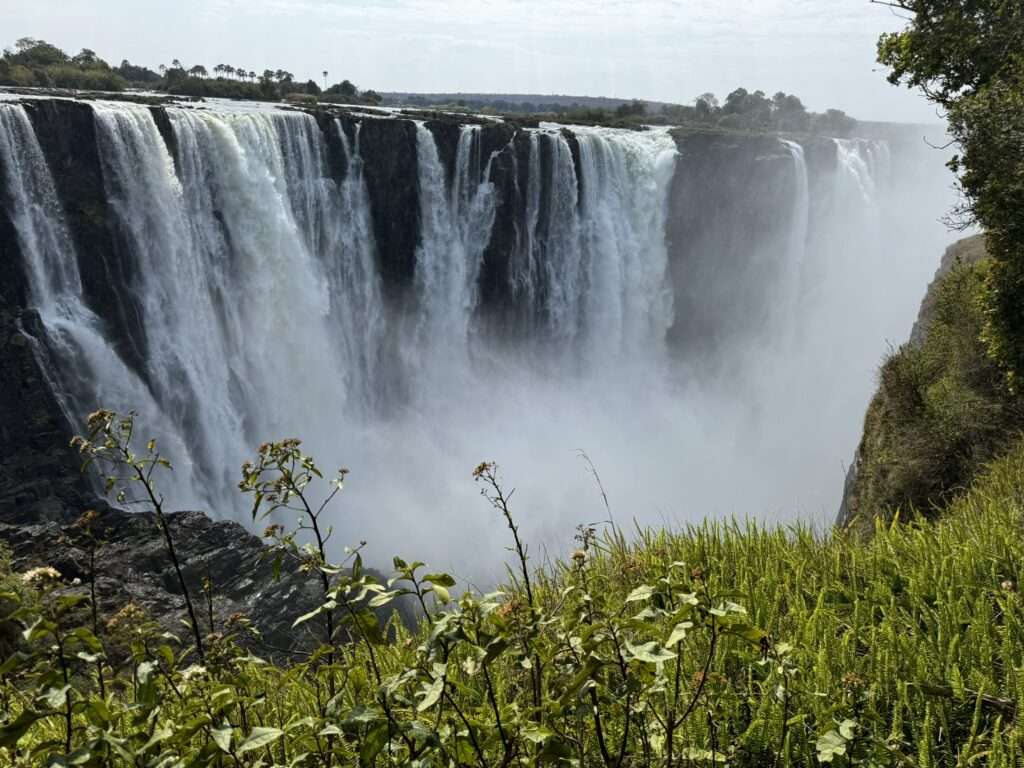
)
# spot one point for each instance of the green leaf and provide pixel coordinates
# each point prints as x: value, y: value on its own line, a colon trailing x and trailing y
x: 431, y: 694
x: 330, y: 605
x: 640, y: 593
x: 382, y: 599
x: 54, y: 698
x: 11, y: 733
x: 847, y: 729
x: 373, y: 743
x: 222, y: 738
x: 678, y: 633
x: 537, y: 735
x: 651, y: 653
x: 259, y: 738
x: 442, y: 593
x: 829, y: 746
x: 37, y: 628
x: 442, y: 579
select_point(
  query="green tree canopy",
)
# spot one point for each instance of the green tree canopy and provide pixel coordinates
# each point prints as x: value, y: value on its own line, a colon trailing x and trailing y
x: 967, y: 56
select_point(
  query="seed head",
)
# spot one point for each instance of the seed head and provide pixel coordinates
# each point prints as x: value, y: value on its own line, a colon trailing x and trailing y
x: 37, y: 577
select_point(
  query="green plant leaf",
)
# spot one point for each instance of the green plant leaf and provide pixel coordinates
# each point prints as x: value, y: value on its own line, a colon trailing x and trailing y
x: 222, y: 738
x: 640, y: 593
x: 651, y: 653
x: 678, y: 633
x: 259, y: 738
x: 431, y: 694
x: 830, y: 746
x: 442, y: 579
x: 373, y: 743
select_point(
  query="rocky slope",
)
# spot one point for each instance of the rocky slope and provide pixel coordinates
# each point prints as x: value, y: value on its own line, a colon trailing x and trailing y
x: 941, y: 409
x: 133, y: 567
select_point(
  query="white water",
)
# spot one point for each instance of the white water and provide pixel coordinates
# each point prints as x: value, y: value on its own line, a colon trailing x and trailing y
x: 264, y: 317
x: 456, y: 225
x: 76, y: 340
x: 799, y: 231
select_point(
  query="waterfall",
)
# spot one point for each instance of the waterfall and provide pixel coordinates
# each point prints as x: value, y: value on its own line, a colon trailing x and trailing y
x: 623, y: 209
x: 456, y: 226
x: 860, y: 163
x: 559, y: 246
x: 267, y: 307
x: 37, y: 215
x: 593, y: 262
x: 87, y: 372
x: 799, y: 232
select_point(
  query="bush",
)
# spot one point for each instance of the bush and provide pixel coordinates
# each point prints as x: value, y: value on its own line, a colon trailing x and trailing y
x: 901, y: 650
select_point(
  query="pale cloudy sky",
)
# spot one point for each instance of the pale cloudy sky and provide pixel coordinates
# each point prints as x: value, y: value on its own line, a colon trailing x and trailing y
x: 670, y: 50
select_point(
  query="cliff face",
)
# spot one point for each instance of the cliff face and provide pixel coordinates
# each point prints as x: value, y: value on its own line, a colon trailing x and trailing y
x: 941, y: 410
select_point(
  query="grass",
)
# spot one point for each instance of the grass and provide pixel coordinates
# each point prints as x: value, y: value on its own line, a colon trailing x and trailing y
x: 725, y: 643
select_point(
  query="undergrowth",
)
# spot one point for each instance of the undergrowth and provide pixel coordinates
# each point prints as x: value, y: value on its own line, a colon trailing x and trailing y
x: 725, y: 643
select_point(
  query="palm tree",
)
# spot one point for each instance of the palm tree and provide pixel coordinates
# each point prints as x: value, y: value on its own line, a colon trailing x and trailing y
x: 325, y: 79
x: 252, y: 76
x: 176, y: 64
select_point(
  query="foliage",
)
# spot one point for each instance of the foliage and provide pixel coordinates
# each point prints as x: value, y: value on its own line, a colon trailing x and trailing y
x: 942, y: 409
x: 38, y: 63
x: 743, y: 110
x: 968, y: 58
x: 902, y: 650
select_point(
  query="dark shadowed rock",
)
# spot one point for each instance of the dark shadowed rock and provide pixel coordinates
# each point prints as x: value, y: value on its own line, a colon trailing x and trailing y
x: 66, y: 131
x: 133, y: 566
x: 392, y: 182
x: 721, y: 262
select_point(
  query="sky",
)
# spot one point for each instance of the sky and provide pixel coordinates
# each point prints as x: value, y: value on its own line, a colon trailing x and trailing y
x: 664, y: 50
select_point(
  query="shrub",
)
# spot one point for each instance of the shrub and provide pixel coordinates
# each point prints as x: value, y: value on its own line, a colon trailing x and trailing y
x: 901, y: 650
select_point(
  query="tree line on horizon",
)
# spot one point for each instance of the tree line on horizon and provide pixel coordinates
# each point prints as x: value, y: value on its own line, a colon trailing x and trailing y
x: 741, y: 110
x: 39, y: 64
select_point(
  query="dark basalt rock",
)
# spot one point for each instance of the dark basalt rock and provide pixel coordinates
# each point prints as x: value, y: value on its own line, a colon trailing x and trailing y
x: 39, y: 473
x: 498, y: 309
x: 163, y: 124
x: 392, y: 181
x: 446, y: 137
x: 66, y: 131
x: 721, y: 262
x: 133, y: 567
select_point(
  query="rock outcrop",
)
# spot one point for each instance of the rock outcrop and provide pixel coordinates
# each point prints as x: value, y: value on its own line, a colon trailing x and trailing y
x: 133, y: 567
x: 853, y: 507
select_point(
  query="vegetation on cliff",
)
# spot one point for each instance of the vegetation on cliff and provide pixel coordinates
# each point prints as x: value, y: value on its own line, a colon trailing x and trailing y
x: 37, y: 63
x: 943, y: 407
x: 722, y: 644
x: 741, y: 110
x: 951, y: 399
x: 968, y: 58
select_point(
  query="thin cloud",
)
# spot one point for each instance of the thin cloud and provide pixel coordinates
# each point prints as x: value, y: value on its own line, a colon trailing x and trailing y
x: 667, y: 50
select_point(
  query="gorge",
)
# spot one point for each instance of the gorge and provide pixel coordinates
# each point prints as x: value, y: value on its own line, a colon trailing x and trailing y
x: 701, y: 312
